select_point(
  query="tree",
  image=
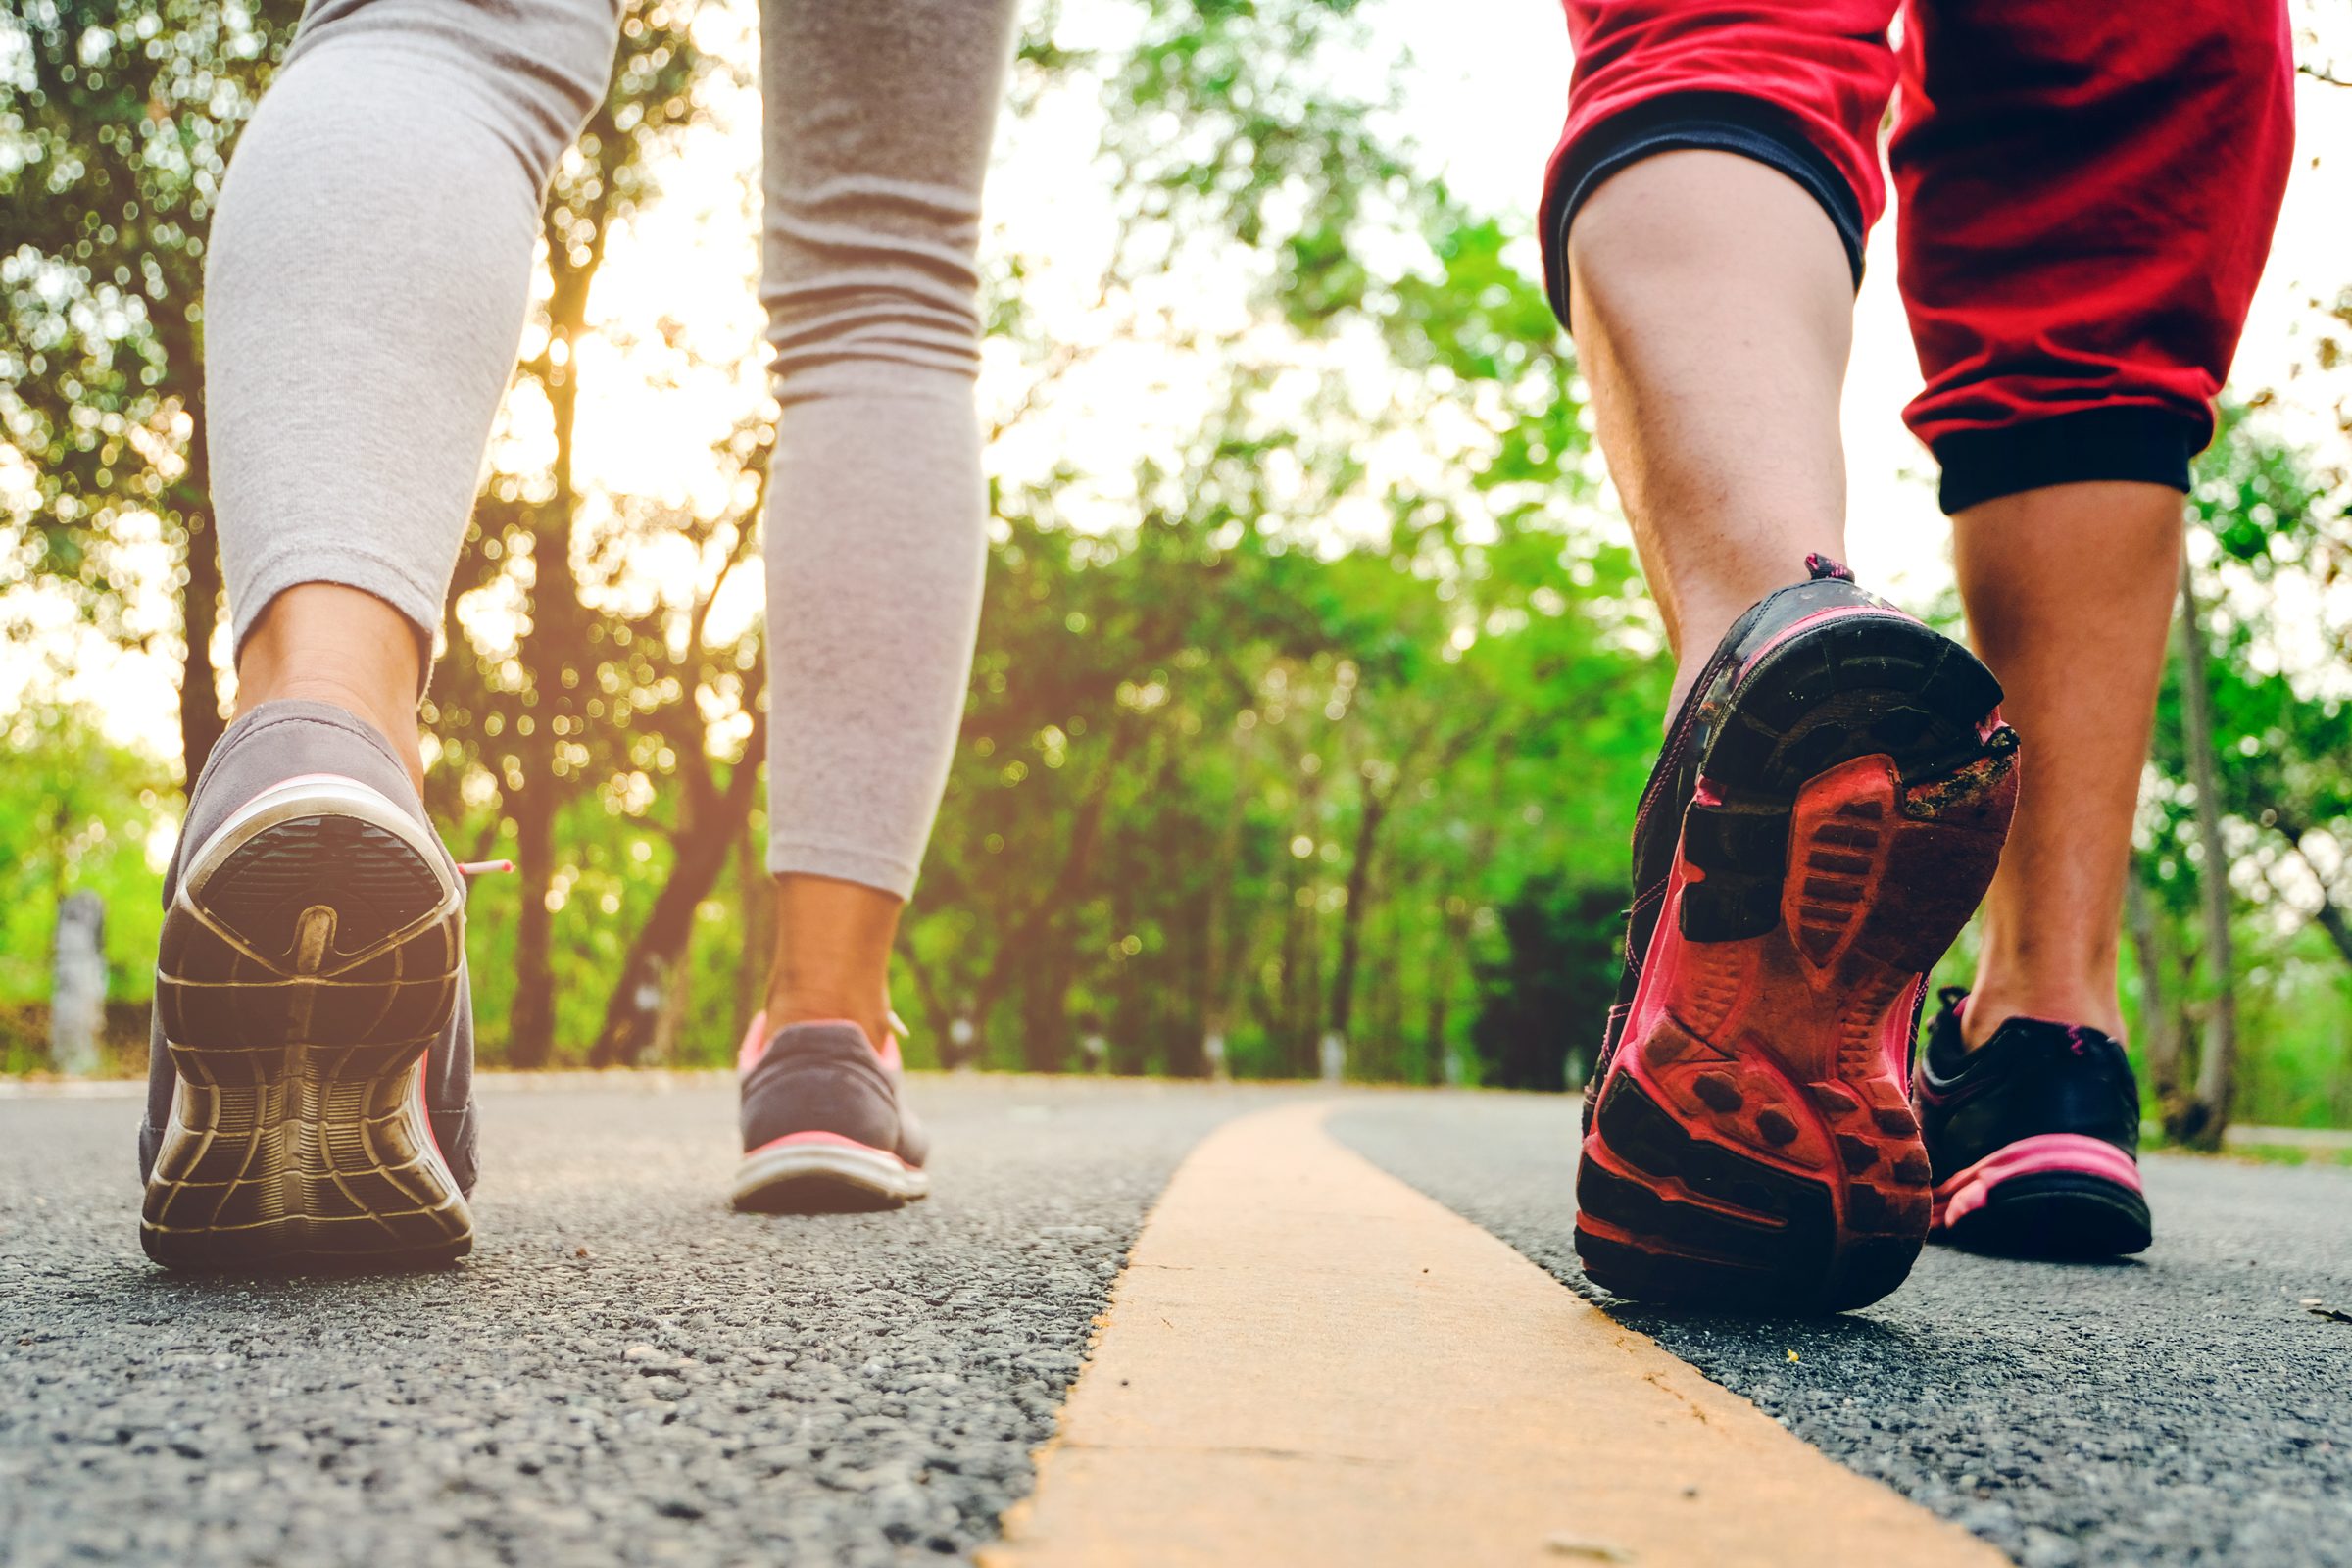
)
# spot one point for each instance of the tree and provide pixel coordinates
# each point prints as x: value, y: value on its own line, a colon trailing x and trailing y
x: 114, y: 138
x: 2201, y: 1120
x: 574, y: 689
x: 1547, y: 996
x: 2253, y: 764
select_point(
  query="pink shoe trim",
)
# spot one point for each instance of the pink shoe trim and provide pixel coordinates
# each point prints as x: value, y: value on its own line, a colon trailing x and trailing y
x: 1660, y: 966
x: 833, y: 1140
x: 2075, y: 1154
x: 1808, y: 622
x: 754, y: 1042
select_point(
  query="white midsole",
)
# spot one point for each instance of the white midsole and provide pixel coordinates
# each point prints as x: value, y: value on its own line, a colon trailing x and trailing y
x: 868, y: 1169
x: 320, y: 795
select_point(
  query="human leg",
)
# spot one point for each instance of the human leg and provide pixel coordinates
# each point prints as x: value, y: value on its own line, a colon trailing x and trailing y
x: 2077, y: 261
x: 1715, y: 383
x: 1830, y: 799
x: 2087, y: 205
x: 880, y: 121
x: 876, y: 539
x: 1704, y: 222
x: 2080, y: 689
x: 367, y: 282
x: 311, y: 1056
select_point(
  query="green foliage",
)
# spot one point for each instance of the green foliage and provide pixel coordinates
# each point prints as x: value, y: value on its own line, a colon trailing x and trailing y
x: 1328, y: 724
x: 2269, y: 533
x: 116, y: 123
x: 77, y: 812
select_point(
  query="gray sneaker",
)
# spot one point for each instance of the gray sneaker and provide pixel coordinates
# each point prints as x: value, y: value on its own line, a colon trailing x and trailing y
x: 824, y: 1127
x: 310, y: 1080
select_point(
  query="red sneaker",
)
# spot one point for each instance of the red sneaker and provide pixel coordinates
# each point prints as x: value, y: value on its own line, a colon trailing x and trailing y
x: 1828, y: 810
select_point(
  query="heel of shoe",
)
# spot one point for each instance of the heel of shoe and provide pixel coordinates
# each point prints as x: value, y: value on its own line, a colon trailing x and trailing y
x: 1886, y: 872
x: 1754, y: 1148
x: 1711, y: 1180
x: 2054, y: 1195
x: 309, y: 963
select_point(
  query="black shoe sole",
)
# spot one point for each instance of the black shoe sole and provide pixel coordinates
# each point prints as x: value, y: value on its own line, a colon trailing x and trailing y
x: 2055, y: 1216
x: 308, y: 963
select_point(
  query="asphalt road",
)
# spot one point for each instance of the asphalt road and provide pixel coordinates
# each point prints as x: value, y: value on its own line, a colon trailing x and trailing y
x: 628, y: 1373
x: 2182, y: 1407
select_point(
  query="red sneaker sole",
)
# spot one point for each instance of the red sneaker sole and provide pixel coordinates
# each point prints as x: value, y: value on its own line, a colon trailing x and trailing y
x: 1752, y: 1147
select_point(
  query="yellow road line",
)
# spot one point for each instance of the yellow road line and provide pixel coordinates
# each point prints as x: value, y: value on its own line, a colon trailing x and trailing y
x: 1307, y: 1361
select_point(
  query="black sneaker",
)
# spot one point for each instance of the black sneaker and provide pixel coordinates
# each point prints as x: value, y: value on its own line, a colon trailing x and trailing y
x: 310, y: 1080
x: 1829, y: 808
x: 825, y: 1129
x: 2035, y: 1137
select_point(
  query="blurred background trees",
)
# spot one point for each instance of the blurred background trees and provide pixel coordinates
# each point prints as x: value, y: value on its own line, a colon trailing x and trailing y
x: 1315, y: 686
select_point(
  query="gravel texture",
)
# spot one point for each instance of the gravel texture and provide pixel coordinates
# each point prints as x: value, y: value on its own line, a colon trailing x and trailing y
x: 625, y: 1372
x: 628, y: 1373
x: 2187, y: 1408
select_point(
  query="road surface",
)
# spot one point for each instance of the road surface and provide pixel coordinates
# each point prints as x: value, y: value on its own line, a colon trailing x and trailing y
x: 625, y: 1372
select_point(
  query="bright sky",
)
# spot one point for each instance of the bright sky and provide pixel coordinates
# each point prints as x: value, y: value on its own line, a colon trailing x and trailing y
x: 1486, y: 93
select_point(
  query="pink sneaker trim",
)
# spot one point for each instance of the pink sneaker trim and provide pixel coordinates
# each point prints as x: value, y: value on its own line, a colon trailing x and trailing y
x: 1808, y: 622
x: 754, y: 1043
x: 2075, y: 1154
x: 830, y: 1140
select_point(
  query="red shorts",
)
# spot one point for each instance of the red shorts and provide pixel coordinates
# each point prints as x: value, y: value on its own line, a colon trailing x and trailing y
x: 2087, y: 194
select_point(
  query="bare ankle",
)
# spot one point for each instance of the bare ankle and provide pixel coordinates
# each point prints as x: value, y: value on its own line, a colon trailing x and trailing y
x: 322, y: 642
x: 1989, y: 1005
x: 832, y: 958
x: 786, y: 1010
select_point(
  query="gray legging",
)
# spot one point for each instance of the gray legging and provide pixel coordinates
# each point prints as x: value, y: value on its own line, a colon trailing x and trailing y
x: 370, y: 274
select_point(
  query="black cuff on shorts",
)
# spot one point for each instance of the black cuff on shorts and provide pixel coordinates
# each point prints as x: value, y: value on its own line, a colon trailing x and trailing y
x: 2151, y: 445
x: 1718, y: 122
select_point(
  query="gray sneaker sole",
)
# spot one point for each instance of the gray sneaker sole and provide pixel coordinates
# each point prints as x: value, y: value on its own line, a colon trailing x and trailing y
x: 309, y: 962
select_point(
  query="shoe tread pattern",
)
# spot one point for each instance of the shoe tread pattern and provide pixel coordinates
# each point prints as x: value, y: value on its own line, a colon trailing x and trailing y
x: 299, y: 988
x: 1851, y: 814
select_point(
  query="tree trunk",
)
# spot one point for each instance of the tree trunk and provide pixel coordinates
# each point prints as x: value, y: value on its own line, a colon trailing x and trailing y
x: 1374, y: 811
x: 552, y: 643
x: 531, y: 1025
x: 705, y: 836
x: 191, y: 497
x: 78, y: 986
x: 2332, y: 921
x: 756, y: 892
x: 1436, y: 1055
x: 1221, y: 932
x: 2159, y: 1028
x: 1020, y: 941
x: 1130, y: 1045
x: 1046, y: 1014
x: 1188, y: 1038
x: 2205, y: 1115
x: 2331, y: 916
x: 200, y: 721
x: 670, y: 1021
